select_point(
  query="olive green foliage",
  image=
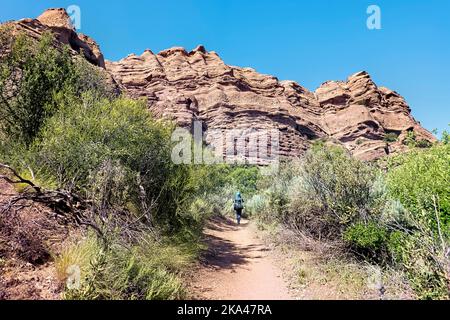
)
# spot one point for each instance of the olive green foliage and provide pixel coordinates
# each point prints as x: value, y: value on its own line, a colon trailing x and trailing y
x: 390, y: 137
x: 29, y: 77
x: 445, y: 137
x: 256, y: 205
x: 31, y: 73
x: 64, y: 122
x: 324, y: 193
x: 420, y: 180
x: 34, y: 77
x: 87, y: 132
x: 369, y: 238
x: 244, y: 178
x: 345, y: 187
x: 91, y: 143
x: 410, y: 139
x: 147, y: 271
x: 396, y: 219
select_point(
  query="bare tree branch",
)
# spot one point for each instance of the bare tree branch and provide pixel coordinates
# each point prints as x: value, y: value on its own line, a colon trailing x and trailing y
x: 64, y: 203
x: 17, y: 176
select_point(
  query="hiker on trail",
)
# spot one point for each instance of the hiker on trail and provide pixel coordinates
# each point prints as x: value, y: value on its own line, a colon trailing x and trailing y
x: 238, y: 206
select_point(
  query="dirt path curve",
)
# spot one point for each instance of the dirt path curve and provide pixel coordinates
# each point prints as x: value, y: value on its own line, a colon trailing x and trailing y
x: 237, y: 266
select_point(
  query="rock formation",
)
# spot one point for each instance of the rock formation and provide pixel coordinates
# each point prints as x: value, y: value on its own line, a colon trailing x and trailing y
x: 198, y: 85
x: 58, y: 22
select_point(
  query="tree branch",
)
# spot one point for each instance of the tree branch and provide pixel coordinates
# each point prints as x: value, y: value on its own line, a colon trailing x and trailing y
x: 17, y: 176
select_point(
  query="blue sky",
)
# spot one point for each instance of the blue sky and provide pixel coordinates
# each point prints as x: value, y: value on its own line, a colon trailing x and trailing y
x: 306, y: 41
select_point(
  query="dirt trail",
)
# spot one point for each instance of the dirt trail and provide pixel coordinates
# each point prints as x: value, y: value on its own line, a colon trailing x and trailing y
x: 237, y: 266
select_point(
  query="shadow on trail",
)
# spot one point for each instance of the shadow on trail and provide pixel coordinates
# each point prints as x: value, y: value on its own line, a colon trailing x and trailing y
x: 223, y: 253
x: 222, y: 224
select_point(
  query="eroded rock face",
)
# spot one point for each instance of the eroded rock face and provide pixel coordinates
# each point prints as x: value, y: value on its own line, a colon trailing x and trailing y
x: 198, y: 85
x: 58, y: 22
x: 359, y: 114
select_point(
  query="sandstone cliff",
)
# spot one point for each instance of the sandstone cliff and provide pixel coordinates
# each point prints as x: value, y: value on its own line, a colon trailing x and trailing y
x: 58, y: 22
x: 198, y: 85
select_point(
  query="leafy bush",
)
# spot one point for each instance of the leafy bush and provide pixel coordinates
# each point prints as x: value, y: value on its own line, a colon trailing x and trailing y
x: 401, y: 218
x: 244, y: 178
x: 256, y: 204
x: 83, y: 134
x: 390, y: 137
x: 114, y: 152
x: 60, y: 119
x: 445, y: 137
x: 367, y: 238
x: 330, y: 191
x: 425, y: 264
x: 423, y: 144
x: 410, y: 139
x: 343, y: 184
x: 31, y: 74
x: 420, y: 180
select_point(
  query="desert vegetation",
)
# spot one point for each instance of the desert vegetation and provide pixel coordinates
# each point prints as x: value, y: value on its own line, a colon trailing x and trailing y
x: 394, y: 218
x: 102, y: 162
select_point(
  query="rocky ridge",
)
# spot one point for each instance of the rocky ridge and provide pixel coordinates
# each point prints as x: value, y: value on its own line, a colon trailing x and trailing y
x: 197, y: 85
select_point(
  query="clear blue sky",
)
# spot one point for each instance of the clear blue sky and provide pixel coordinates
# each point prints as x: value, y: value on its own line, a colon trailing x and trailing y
x: 306, y: 41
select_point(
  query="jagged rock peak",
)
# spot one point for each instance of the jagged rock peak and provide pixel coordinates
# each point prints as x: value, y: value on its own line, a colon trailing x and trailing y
x: 172, y: 51
x: 199, y: 48
x: 58, y: 22
x: 56, y: 17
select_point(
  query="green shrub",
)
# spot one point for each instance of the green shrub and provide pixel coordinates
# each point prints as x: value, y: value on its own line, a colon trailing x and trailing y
x: 341, y: 187
x: 61, y: 119
x: 367, y: 238
x: 420, y: 180
x: 445, y: 137
x: 395, y: 244
x: 423, y: 144
x: 244, y: 178
x: 426, y: 267
x: 200, y: 206
x: 83, y: 134
x: 324, y: 193
x: 410, y: 139
x: 146, y: 271
x: 114, y: 152
x: 256, y: 205
x: 31, y: 74
x: 390, y: 137
x: 342, y: 183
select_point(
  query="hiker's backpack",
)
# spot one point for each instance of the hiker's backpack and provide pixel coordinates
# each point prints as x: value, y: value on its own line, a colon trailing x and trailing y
x: 238, y: 204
